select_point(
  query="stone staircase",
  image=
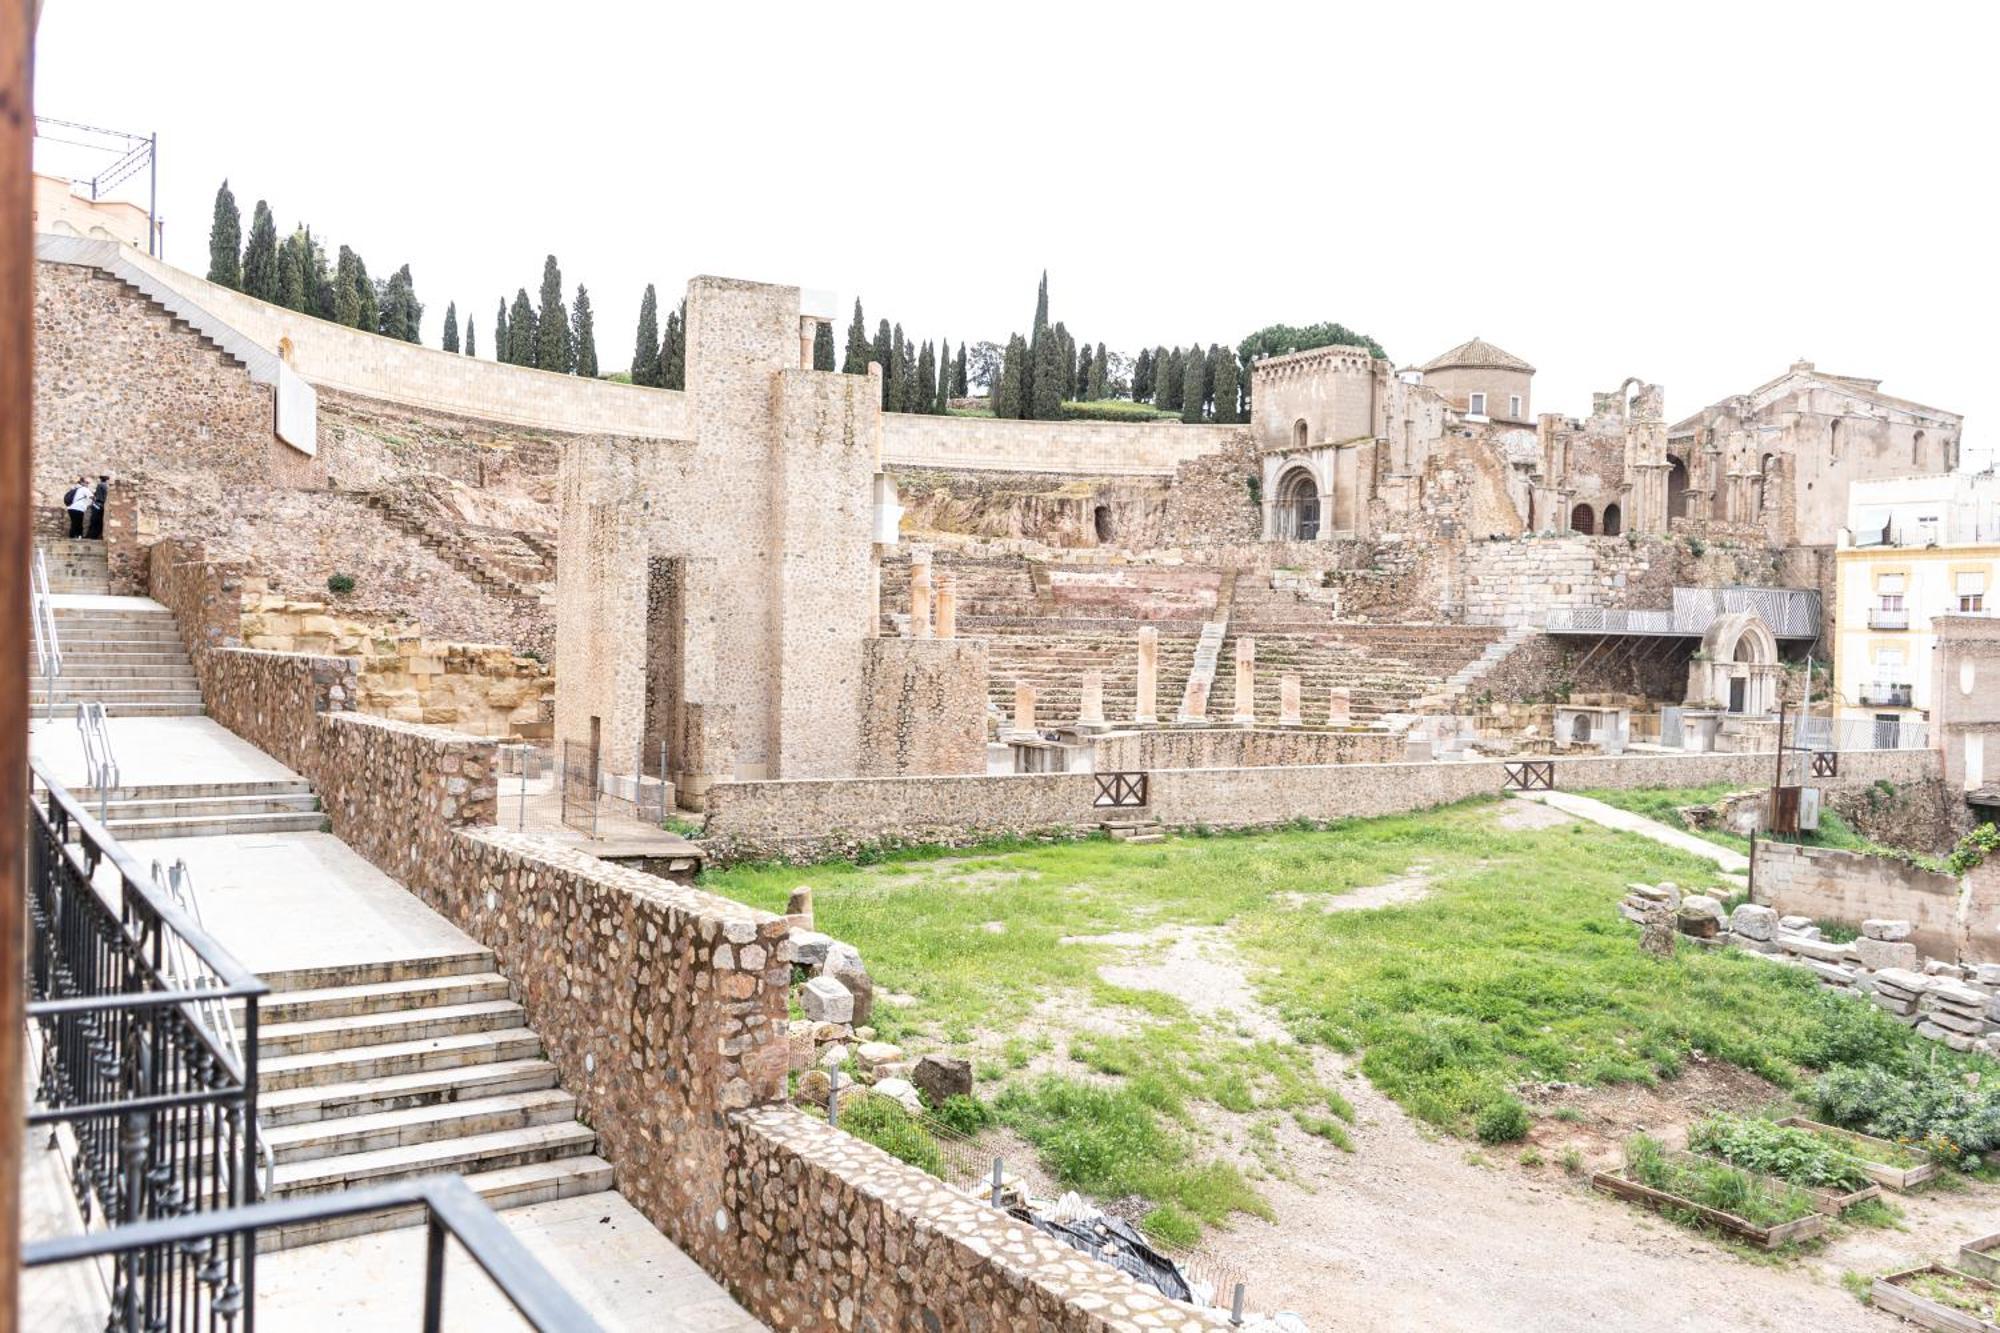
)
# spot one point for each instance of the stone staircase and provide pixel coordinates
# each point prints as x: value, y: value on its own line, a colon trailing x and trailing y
x: 76, y: 565
x: 387, y: 1071
x: 209, y: 810
x: 499, y: 560
x: 128, y: 658
x: 1201, y: 675
x: 1140, y: 830
x: 1459, y: 685
x: 1054, y: 657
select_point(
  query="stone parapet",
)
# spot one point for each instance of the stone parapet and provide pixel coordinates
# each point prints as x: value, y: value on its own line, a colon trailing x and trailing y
x: 1092, y: 448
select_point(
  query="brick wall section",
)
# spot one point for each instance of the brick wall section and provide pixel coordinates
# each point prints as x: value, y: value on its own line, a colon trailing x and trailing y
x: 805, y: 821
x: 923, y: 706
x: 832, y: 1233
x: 1852, y: 887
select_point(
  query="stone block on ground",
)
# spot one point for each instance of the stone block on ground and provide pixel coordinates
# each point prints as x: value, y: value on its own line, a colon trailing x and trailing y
x: 1958, y: 995
x: 1815, y: 949
x: 838, y: 955
x: 861, y: 986
x: 903, y: 1092
x: 1883, y: 928
x: 1910, y: 983
x: 1698, y: 924
x: 1895, y: 1004
x: 1795, y: 925
x: 1987, y: 974
x: 809, y: 947
x: 1937, y: 967
x: 833, y: 1056
x: 942, y: 1076
x: 813, y: 1087
x: 826, y: 1000
x: 1831, y: 973
x: 1876, y: 954
x: 870, y: 1056
x: 1754, y: 922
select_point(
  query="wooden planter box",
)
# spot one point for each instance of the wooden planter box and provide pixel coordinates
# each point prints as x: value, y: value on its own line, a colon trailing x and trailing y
x: 1829, y: 1200
x: 1889, y: 1294
x: 1801, y: 1228
x: 1895, y: 1177
x: 1981, y: 1258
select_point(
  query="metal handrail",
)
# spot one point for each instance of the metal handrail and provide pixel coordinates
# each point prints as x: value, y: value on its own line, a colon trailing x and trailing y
x: 99, y: 762
x: 180, y: 968
x: 42, y: 616
x: 454, y: 1211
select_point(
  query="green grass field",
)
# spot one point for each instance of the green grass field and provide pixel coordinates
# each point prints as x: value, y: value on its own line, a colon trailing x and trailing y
x: 1514, y: 968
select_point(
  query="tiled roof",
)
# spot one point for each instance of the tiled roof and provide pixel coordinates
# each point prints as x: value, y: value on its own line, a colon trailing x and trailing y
x: 1477, y: 353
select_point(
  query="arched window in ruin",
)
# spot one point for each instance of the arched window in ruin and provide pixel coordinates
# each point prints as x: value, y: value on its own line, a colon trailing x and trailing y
x: 1298, y: 505
x: 1677, y: 487
x: 1917, y: 450
x: 1299, y: 433
x: 1764, y: 469
x: 1101, y: 516
x: 1582, y: 520
x: 1579, y: 730
x: 1833, y: 441
x: 1614, y: 522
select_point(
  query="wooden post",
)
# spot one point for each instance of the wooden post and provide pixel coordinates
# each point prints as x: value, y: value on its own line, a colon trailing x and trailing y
x: 17, y: 372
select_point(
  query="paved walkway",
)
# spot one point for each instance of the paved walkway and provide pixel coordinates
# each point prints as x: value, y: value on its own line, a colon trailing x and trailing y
x: 157, y: 752
x: 1610, y: 816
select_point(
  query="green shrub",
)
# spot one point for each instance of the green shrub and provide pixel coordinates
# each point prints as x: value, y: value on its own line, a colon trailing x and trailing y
x: 967, y: 1115
x: 1847, y: 1031
x: 340, y: 584
x: 1502, y: 1120
x: 1972, y: 849
x: 1932, y: 1104
x: 883, y: 1122
x: 1796, y: 1155
x: 1115, y: 409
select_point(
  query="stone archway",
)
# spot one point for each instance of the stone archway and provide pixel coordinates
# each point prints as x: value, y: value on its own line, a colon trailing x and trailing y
x: 1582, y: 520
x: 1736, y: 668
x: 1677, y: 487
x: 1298, y: 506
x: 1613, y: 521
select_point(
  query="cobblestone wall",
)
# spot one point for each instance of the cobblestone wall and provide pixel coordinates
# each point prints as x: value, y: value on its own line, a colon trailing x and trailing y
x: 923, y: 707
x: 828, y: 1232
x: 1237, y: 747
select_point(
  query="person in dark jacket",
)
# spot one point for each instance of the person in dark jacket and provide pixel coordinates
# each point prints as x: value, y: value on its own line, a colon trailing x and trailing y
x: 97, y: 499
x: 76, y: 503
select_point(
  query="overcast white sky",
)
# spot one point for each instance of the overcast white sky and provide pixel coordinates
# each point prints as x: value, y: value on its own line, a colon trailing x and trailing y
x: 1693, y: 193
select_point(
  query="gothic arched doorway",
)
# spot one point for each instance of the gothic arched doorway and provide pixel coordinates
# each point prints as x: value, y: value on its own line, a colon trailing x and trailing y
x: 1613, y: 521
x: 1298, y: 506
x: 1582, y: 520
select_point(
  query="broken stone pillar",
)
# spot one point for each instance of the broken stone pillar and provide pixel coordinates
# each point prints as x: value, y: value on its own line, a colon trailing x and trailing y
x: 799, y: 907
x: 1146, y: 705
x: 808, y: 330
x: 1090, y: 713
x: 920, y: 598
x: 1195, y: 707
x: 1246, y: 681
x: 1288, y: 701
x: 1339, y: 706
x: 947, y: 606
x: 1024, y: 708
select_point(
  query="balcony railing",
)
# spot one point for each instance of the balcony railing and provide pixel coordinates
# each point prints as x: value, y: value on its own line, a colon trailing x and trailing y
x: 160, y: 1101
x: 453, y: 1211
x: 1886, y: 696
x: 1878, y: 618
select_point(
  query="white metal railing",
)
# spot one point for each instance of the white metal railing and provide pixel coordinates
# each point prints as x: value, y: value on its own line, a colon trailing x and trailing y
x: 183, y: 969
x: 42, y: 618
x: 1862, y: 733
x: 99, y: 762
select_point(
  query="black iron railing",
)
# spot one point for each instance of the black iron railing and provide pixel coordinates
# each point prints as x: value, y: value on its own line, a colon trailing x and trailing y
x: 453, y: 1209
x: 158, y: 1096
x: 1120, y: 791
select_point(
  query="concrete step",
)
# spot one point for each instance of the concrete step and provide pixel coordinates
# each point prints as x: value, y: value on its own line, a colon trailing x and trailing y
x: 145, y: 710
x: 419, y: 1124
x: 472, y: 1153
x: 213, y: 807
x: 419, y: 968
x: 381, y: 997
x: 216, y: 826
x: 132, y: 697
x: 117, y: 672
x: 356, y: 1032
x: 394, y: 1092
x: 199, y: 791
x: 513, y: 1187
x: 89, y: 656
x: 320, y: 1068
x: 1142, y: 839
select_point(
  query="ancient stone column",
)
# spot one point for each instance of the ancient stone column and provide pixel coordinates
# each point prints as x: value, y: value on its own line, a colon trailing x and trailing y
x: 1288, y: 701
x: 947, y: 606
x: 1024, y: 708
x: 1146, y: 703
x: 1339, y: 706
x: 1246, y: 681
x: 1090, y: 713
x: 1195, y: 707
x: 920, y: 598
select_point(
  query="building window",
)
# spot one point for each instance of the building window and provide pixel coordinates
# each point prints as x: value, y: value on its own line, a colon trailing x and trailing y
x: 1476, y: 405
x: 1514, y: 406
x: 1971, y: 590
x: 1299, y: 433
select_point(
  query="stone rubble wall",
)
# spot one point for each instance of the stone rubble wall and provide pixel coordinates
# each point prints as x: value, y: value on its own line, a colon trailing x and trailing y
x: 923, y: 707
x: 1092, y: 448
x: 811, y: 820
x: 1242, y: 747
x: 829, y: 1233
x: 1950, y: 920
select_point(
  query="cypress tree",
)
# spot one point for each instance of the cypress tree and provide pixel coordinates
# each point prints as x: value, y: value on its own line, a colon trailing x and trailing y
x: 1041, y: 324
x: 1047, y: 390
x: 1208, y: 366
x: 320, y: 296
x: 944, y: 376
x: 521, y: 330
x: 1013, y: 375
x: 500, y: 343
x: 1083, y: 372
x: 883, y: 355
x: 552, y: 349
x: 450, y: 343
x: 225, y: 241
x: 402, y: 315
x: 855, y: 359
x: 1191, y: 375
x: 960, y: 386
x: 1100, y: 376
x: 260, y: 255
x: 923, y: 390
x: 346, y: 300
x: 646, y: 350
x: 822, y: 346
x: 673, y: 349
x: 292, y: 271
x: 471, y: 338
x: 582, y: 335
x: 1065, y: 359
x: 898, y: 371
x: 1227, y: 411
x: 366, y: 308
x: 1168, y: 396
